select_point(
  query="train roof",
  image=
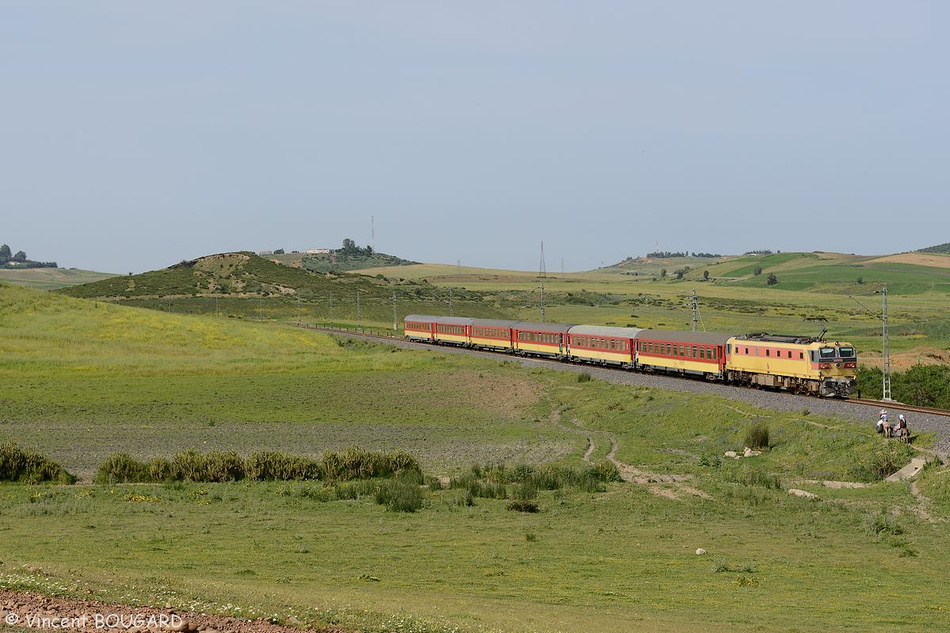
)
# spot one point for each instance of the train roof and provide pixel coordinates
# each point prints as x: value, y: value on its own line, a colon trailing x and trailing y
x: 494, y: 323
x: 447, y: 320
x: 779, y: 338
x: 680, y: 336
x: 606, y: 330
x: 543, y: 327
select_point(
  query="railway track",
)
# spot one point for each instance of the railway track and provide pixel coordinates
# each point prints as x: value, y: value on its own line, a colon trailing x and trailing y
x: 893, y: 404
x: 935, y: 421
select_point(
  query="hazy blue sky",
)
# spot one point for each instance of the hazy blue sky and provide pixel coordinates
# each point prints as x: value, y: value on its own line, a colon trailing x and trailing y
x: 134, y: 135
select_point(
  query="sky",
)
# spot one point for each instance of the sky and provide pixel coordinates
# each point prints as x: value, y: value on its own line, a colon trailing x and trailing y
x: 135, y: 135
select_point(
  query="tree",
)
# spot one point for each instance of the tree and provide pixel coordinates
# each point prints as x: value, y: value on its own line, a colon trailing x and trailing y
x: 5, y: 254
x: 19, y: 257
x: 349, y: 247
x: 772, y: 280
x: 706, y: 275
x: 757, y: 271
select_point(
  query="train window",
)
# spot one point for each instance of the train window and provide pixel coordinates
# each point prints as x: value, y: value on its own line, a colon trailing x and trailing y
x: 789, y: 353
x: 767, y: 352
x: 801, y: 355
x: 846, y: 352
x: 747, y: 351
x: 827, y: 352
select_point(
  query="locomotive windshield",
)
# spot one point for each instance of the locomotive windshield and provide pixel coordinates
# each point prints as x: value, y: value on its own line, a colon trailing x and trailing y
x: 827, y: 352
x: 847, y: 351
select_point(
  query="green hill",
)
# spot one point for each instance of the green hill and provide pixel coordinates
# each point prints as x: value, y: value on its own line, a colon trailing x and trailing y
x: 245, y: 284
x: 940, y: 248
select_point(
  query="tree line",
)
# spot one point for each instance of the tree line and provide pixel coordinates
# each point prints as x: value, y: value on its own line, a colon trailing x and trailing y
x: 9, y: 259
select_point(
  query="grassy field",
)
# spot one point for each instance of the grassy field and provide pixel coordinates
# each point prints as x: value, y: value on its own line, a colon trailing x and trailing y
x: 50, y: 278
x: 82, y: 380
x: 814, y: 291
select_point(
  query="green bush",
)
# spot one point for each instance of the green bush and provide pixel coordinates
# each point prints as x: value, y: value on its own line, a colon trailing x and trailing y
x: 399, y: 495
x: 122, y: 468
x: 25, y: 465
x: 882, y: 462
x: 356, y: 463
x: 271, y: 466
x: 757, y: 436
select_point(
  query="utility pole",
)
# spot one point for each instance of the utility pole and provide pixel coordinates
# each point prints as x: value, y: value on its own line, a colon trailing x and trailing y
x: 695, y: 305
x: 359, y: 313
x: 451, y: 301
x: 395, y: 320
x: 885, y: 343
x: 886, y: 386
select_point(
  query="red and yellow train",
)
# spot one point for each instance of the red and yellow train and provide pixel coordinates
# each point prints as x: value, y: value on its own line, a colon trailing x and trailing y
x: 799, y: 364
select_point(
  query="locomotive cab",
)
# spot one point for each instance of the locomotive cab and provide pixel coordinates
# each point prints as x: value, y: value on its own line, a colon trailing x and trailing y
x: 837, y: 365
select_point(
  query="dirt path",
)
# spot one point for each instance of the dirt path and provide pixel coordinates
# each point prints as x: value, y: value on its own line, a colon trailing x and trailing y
x: 670, y: 486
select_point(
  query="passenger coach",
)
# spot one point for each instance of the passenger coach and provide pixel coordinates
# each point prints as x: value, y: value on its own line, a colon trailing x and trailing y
x: 679, y: 352
x: 603, y: 345
x: 438, y: 329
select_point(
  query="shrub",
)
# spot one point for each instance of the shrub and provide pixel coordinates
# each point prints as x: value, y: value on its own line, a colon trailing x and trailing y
x: 520, y: 505
x: 161, y: 469
x: 882, y: 525
x: 219, y: 467
x: 757, y: 436
x: 399, y: 495
x: 356, y: 463
x: 583, y: 377
x: 886, y: 460
x: 271, y: 466
x: 27, y: 466
x: 121, y: 468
